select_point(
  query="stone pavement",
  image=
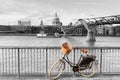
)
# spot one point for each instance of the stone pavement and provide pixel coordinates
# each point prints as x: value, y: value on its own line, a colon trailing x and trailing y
x: 98, y: 77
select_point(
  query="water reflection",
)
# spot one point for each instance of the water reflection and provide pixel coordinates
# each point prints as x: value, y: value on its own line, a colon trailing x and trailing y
x: 91, y: 44
x: 79, y: 41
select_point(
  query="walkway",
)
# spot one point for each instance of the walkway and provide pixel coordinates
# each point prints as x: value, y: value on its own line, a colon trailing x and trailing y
x: 99, y: 77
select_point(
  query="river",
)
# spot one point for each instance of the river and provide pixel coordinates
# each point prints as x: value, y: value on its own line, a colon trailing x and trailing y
x: 79, y: 41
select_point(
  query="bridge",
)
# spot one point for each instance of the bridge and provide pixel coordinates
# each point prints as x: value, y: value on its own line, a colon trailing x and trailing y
x: 91, y: 23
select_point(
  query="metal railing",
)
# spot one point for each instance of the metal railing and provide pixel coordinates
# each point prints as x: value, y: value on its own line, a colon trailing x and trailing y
x: 37, y: 60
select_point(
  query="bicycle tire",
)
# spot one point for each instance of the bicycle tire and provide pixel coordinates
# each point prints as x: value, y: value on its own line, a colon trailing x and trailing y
x: 95, y: 64
x: 51, y: 75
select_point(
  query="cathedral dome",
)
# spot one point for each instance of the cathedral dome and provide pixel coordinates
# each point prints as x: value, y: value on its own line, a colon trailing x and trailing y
x: 56, y: 21
x: 56, y: 18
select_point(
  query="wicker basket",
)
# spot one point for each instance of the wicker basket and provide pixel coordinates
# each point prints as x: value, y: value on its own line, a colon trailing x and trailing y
x: 66, y: 48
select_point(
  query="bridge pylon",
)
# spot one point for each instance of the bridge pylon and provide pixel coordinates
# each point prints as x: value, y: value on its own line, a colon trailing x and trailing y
x: 90, y: 31
x: 91, y: 36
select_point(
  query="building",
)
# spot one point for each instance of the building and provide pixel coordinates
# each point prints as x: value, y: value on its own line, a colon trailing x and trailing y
x: 56, y: 21
x: 24, y: 23
x: 6, y: 29
x: 57, y: 25
x: 25, y: 27
x: 100, y: 30
x: 107, y: 30
x: 117, y: 30
x: 51, y: 29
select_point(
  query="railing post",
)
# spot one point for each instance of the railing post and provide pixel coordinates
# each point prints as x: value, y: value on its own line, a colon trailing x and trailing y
x: 100, y: 61
x: 18, y: 63
x: 74, y: 60
x: 46, y: 62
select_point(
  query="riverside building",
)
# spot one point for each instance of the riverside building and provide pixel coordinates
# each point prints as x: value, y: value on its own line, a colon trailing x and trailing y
x: 25, y: 27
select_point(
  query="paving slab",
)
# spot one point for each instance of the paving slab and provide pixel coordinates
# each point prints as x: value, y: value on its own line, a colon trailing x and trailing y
x: 100, y: 77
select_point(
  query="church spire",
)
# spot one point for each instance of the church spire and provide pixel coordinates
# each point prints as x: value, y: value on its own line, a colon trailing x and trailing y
x: 56, y: 14
x: 41, y: 23
x: 56, y: 17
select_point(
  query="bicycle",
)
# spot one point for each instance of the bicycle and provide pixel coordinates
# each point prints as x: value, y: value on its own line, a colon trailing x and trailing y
x: 84, y: 64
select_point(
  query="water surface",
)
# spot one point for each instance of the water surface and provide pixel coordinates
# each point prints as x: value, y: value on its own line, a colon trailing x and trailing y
x: 75, y: 41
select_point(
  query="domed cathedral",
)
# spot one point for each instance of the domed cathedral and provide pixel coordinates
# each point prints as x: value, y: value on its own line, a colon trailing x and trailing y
x: 56, y: 21
x: 51, y: 29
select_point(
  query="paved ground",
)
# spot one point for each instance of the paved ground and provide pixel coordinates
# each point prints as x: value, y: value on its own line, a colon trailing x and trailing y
x: 99, y: 77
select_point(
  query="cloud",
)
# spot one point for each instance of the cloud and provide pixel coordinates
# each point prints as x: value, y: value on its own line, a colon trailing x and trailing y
x: 22, y: 6
x: 73, y: 17
x: 28, y: 9
x: 68, y: 10
x: 9, y: 19
x: 89, y: 3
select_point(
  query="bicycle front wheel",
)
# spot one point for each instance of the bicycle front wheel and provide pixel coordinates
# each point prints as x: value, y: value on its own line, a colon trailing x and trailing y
x: 90, y: 70
x: 56, y: 69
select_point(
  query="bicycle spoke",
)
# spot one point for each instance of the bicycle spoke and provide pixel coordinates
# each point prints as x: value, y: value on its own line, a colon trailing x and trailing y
x: 89, y: 70
x: 57, y: 69
x: 59, y: 66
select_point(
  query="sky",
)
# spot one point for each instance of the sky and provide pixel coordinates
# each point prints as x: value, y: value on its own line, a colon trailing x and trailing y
x: 68, y: 10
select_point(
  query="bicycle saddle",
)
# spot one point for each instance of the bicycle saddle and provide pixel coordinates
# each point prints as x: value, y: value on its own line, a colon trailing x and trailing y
x: 84, y: 50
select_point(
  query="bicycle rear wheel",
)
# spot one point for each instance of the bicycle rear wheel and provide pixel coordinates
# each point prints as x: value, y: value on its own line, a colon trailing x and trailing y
x: 56, y: 69
x: 89, y: 70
